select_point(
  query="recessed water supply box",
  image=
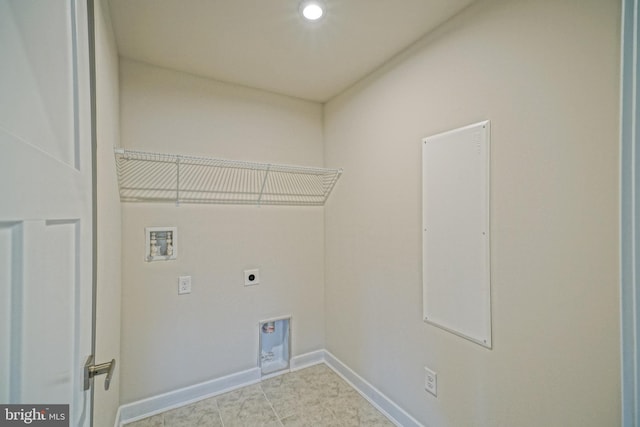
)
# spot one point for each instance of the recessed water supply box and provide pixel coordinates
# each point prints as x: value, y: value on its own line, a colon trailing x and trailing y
x: 161, y: 243
x: 275, y: 345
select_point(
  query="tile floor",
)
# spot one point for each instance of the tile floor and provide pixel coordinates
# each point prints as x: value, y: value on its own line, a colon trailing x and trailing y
x: 310, y: 397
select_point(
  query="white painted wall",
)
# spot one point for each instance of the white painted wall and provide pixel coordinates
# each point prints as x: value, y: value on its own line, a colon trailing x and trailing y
x: 171, y: 341
x: 109, y: 217
x: 545, y: 72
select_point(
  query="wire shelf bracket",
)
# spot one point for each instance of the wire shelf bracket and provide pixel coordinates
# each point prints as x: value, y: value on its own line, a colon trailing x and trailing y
x: 155, y: 177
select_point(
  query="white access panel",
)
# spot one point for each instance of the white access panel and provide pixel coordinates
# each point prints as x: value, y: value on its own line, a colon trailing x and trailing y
x: 455, y: 243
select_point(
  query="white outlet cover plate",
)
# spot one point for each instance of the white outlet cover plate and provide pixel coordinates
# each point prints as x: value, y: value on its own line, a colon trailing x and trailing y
x: 184, y: 285
x: 252, y: 274
x: 431, y: 381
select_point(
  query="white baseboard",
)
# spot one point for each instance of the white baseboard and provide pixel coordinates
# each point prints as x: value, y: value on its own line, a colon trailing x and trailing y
x: 184, y: 396
x: 307, y: 359
x: 118, y: 421
x: 154, y: 405
x: 390, y: 409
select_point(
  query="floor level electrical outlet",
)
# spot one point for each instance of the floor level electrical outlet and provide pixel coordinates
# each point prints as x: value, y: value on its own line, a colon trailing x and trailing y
x: 430, y: 381
x: 184, y: 285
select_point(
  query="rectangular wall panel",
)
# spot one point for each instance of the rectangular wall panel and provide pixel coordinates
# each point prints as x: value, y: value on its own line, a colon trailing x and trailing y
x: 10, y: 301
x: 49, y: 312
x: 456, y: 253
x: 36, y: 44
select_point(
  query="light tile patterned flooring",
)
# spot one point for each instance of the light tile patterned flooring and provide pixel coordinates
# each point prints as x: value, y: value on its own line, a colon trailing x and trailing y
x: 310, y: 397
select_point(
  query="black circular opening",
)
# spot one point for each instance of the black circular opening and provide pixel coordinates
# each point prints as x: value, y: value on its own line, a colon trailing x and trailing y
x: 252, y: 277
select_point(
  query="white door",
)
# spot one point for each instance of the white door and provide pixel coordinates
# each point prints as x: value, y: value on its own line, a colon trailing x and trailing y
x: 45, y: 204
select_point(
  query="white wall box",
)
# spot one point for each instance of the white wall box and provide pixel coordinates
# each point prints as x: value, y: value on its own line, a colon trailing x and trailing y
x: 161, y: 243
x: 155, y: 177
x: 252, y: 277
x: 275, y: 345
x: 456, y: 252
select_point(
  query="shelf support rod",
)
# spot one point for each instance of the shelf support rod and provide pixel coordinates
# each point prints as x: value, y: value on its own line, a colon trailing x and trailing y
x: 178, y: 181
x: 264, y: 182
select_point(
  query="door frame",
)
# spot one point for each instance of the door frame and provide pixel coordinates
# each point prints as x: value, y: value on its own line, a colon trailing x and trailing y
x: 94, y: 181
x: 629, y: 211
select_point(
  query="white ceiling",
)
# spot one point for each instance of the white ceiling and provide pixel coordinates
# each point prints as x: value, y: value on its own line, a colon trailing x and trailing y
x: 265, y: 44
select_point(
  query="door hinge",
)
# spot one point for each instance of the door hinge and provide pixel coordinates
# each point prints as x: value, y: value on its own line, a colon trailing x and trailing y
x: 91, y: 370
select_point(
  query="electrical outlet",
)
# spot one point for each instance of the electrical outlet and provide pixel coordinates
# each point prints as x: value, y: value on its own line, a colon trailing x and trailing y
x: 251, y: 277
x: 431, y: 381
x: 184, y: 285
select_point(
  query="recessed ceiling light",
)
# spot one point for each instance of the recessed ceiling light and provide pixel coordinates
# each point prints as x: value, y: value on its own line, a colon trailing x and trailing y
x: 312, y: 9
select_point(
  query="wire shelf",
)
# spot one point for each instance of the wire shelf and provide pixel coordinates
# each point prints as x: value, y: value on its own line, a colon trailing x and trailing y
x: 155, y: 177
